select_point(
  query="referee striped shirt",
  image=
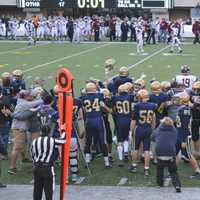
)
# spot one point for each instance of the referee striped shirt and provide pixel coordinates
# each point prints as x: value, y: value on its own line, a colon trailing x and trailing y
x: 43, y: 148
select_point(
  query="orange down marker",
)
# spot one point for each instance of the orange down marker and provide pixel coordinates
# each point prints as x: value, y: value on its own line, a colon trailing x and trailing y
x: 64, y: 81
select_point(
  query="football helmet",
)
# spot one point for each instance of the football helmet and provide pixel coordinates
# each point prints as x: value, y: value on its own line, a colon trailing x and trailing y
x: 184, y: 98
x: 90, y: 87
x: 122, y: 88
x: 165, y: 86
x: 156, y: 87
x: 5, y: 75
x: 17, y: 72
x: 123, y: 71
x: 109, y: 64
x: 139, y: 84
x: 130, y: 86
x: 196, y: 87
x: 143, y: 95
x: 185, y: 69
x: 106, y: 93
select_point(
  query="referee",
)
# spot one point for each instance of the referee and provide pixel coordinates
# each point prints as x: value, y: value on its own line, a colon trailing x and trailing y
x: 42, y: 152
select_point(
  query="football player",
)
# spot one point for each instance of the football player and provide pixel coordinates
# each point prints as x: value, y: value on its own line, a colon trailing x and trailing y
x: 122, y: 78
x: 92, y: 103
x: 139, y: 85
x: 122, y: 106
x: 184, y: 135
x: 107, y: 96
x: 143, y: 122
x: 195, y: 109
x: 175, y: 38
x: 77, y: 115
x: 140, y: 40
x: 185, y: 78
x: 160, y: 99
x: 18, y: 83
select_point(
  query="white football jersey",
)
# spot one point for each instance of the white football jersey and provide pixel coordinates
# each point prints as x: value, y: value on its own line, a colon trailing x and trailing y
x: 187, y: 80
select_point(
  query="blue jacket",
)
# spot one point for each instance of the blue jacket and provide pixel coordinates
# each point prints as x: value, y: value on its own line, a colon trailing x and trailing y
x: 165, y: 138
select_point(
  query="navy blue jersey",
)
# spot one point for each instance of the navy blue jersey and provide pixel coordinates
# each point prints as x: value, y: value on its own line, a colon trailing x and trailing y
x: 159, y: 100
x: 123, y: 105
x: 143, y: 114
x: 119, y: 80
x: 91, y: 104
x: 76, y: 108
x: 18, y: 85
x: 183, y: 122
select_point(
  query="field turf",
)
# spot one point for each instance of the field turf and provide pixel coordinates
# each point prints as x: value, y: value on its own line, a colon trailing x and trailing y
x: 85, y: 61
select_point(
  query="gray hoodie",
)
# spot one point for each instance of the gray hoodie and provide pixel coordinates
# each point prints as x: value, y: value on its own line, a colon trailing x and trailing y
x: 22, y: 106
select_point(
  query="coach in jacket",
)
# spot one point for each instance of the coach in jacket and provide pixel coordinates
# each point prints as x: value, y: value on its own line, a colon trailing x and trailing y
x: 165, y: 137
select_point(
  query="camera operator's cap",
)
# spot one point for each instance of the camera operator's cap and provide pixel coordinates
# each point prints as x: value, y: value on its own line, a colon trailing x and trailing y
x: 38, y: 79
x: 5, y: 75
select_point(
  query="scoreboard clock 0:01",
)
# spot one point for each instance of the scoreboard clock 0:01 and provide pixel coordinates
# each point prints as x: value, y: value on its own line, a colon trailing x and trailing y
x: 91, y: 3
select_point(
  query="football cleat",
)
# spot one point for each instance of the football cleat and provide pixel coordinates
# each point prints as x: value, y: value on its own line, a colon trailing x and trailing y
x: 132, y: 169
x: 126, y: 158
x: 123, y: 71
x: 156, y: 87
x: 120, y: 163
x: 181, y: 51
x: 195, y: 175
x: 143, y: 95
x: 146, y: 172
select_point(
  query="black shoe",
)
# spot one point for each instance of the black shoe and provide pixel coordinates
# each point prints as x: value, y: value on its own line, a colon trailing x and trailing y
x: 108, y: 166
x: 2, y: 185
x: 146, y: 172
x: 132, y: 169
x: 120, y: 163
x: 178, y: 189
x: 195, y: 175
x: 126, y: 158
x: 110, y: 158
x: 181, y: 51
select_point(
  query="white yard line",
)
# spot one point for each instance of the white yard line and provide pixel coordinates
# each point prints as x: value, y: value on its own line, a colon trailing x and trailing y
x: 19, y: 49
x: 65, y: 58
x: 145, y: 59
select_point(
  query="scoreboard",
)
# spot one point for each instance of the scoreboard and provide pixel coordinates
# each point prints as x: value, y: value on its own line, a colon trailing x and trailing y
x: 92, y: 4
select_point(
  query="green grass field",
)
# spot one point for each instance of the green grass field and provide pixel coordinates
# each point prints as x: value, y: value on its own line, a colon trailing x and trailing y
x: 87, y: 60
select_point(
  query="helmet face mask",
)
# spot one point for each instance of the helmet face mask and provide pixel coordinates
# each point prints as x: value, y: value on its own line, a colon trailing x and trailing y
x: 139, y: 85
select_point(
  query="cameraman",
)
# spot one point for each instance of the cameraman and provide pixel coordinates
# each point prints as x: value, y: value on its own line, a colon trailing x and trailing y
x: 165, y: 137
